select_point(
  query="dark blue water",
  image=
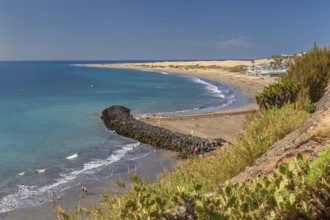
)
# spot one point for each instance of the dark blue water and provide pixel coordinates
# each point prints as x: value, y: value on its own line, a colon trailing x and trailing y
x: 51, y: 137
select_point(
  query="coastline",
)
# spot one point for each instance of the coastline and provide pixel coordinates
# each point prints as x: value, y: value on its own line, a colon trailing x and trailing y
x: 218, y: 71
x: 225, y: 124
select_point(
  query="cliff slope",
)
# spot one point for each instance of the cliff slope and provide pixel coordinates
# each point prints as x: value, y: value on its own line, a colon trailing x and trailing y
x: 310, y: 139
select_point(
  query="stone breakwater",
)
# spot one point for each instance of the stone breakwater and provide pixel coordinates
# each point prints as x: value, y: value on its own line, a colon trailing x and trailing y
x: 119, y: 119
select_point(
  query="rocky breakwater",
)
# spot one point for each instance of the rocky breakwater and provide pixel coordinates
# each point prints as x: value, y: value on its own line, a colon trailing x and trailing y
x: 119, y: 119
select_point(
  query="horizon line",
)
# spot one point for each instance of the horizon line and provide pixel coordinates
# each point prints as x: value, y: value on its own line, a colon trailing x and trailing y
x: 149, y: 60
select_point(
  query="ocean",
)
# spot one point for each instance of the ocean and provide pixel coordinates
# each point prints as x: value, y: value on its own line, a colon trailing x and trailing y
x: 51, y: 136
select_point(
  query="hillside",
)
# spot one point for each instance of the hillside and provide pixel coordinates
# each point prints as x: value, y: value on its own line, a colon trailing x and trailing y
x: 310, y: 139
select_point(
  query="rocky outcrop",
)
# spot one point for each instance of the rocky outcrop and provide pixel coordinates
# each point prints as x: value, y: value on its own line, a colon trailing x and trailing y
x: 119, y: 119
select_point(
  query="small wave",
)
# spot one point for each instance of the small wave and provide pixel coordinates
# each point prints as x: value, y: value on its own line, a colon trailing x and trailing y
x: 212, y: 88
x: 11, y: 201
x: 73, y: 156
x: 41, y: 170
x: 21, y: 174
x: 184, y: 111
x: 148, y: 71
x: 117, y: 155
x: 135, y: 156
x: 154, y: 71
x: 28, y: 196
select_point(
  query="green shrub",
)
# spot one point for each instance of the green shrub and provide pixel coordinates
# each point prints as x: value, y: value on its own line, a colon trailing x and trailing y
x: 285, y: 195
x: 236, y: 69
x: 320, y: 167
x: 312, y: 72
x: 278, y: 94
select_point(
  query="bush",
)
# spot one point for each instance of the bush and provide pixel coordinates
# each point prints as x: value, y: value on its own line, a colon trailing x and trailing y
x: 312, y: 72
x: 287, y: 194
x: 278, y: 94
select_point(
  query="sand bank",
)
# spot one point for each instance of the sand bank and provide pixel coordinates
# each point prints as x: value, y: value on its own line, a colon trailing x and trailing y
x: 226, y: 124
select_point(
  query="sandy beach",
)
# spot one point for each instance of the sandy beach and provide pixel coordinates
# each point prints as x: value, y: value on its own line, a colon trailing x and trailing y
x: 226, y: 124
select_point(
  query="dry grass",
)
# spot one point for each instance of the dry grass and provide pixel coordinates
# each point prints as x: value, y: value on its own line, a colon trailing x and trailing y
x: 323, y: 128
x: 263, y: 130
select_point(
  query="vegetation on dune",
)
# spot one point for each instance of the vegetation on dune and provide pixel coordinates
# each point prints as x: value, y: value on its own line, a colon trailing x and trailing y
x: 239, y: 68
x: 312, y: 72
x: 236, y: 69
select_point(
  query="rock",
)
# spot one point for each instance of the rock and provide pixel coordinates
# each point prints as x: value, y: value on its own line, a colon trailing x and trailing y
x: 118, y: 119
x: 182, y: 210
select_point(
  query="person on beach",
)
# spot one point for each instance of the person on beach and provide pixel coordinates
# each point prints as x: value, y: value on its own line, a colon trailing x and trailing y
x: 54, y: 199
x: 196, y: 150
x: 83, y: 191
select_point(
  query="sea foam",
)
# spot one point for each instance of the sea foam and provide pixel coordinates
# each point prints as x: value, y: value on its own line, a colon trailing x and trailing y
x: 41, y: 170
x: 116, y: 156
x: 71, y: 157
x: 211, y: 88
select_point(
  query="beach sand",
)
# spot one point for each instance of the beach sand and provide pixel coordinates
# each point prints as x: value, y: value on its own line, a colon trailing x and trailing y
x: 226, y: 124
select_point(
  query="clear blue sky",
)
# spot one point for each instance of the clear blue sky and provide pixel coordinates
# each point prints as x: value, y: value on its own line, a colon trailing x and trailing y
x: 160, y: 29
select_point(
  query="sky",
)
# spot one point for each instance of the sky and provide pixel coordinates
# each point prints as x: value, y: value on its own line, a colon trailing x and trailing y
x: 160, y: 29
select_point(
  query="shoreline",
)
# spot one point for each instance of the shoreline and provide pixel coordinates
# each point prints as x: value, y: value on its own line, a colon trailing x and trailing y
x: 218, y: 71
x: 225, y: 124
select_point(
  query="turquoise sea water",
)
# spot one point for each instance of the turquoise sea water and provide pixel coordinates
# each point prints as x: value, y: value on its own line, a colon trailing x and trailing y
x: 51, y: 137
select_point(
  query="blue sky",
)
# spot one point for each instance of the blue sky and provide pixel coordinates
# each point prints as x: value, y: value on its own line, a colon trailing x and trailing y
x: 160, y: 29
